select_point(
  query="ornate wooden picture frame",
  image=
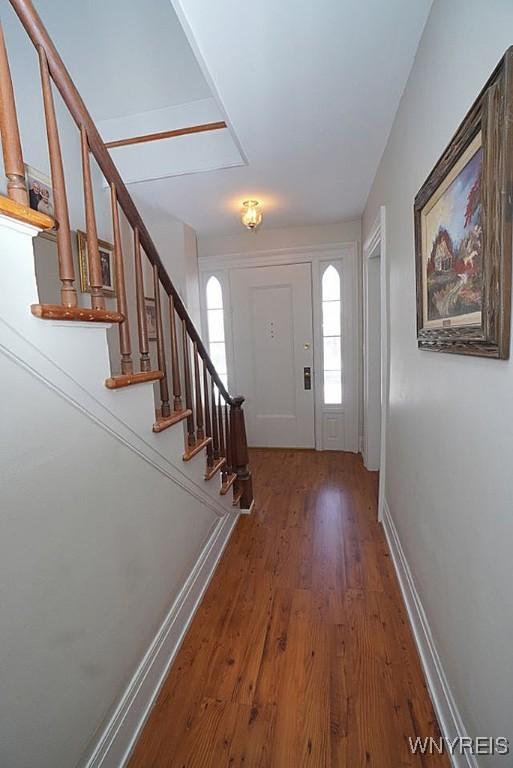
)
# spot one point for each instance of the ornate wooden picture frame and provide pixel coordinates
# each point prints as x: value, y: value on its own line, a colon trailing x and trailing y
x: 151, y: 317
x: 463, y: 231
x: 106, y: 261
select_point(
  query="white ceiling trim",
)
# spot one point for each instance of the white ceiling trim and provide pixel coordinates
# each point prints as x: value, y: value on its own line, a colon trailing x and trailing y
x: 172, y: 156
x: 157, y: 120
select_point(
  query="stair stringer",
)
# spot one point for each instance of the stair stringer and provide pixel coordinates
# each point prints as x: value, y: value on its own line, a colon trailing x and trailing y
x: 73, y: 358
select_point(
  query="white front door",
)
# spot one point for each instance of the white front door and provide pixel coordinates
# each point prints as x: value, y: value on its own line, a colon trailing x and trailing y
x: 273, y: 346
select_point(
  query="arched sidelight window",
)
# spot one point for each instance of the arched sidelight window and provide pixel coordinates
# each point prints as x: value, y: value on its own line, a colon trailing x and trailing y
x: 215, y: 324
x: 331, y: 336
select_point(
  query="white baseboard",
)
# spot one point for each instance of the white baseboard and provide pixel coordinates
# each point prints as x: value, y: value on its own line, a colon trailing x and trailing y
x: 449, y: 718
x: 121, y: 732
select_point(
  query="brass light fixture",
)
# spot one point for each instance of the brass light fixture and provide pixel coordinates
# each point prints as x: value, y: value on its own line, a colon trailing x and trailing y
x: 251, y: 214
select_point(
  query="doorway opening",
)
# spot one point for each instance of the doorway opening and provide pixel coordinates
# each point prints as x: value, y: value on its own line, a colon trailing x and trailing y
x: 375, y: 354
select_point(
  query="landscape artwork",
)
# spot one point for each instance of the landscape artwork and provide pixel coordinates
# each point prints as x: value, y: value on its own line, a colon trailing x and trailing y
x: 464, y: 231
x: 453, y: 246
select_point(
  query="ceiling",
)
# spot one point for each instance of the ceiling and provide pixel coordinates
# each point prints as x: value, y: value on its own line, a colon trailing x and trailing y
x: 309, y: 92
x: 125, y: 56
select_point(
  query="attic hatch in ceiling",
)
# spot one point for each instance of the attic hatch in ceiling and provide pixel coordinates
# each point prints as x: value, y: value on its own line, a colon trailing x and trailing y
x: 154, y: 154
x: 147, y: 82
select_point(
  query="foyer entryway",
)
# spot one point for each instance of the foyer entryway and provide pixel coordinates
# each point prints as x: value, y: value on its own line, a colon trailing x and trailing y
x: 273, y: 352
x: 300, y: 653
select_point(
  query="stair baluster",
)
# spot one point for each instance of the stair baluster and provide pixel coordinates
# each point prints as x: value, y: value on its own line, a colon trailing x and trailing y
x: 208, y: 421
x: 124, y: 327
x: 175, y: 365
x: 60, y: 201
x: 227, y: 469
x: 9, y: 132
x: 188, y: 388
x: 215, y: 429
x: 93, y: 252
x: 220, y: 422
x: 165, y: 408
x: 200, y: 432
x: 142, y: 325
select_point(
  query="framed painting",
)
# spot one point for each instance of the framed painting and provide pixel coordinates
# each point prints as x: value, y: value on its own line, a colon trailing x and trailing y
x: 40, y: 192
x: 151, y: 317
x: 107, y: 264
x: 463, y: 231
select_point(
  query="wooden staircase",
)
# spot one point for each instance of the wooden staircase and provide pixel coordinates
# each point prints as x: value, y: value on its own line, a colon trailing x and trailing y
x: 191, y: 392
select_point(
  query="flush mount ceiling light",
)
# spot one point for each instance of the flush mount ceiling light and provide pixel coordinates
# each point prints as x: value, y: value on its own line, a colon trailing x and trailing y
x: 251, y: 214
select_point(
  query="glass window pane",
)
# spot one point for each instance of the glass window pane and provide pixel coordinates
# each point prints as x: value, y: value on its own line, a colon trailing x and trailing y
x: 330, y: 284
x: 224, y: 379
x: 331, y: 318
x: 332, y: 387
x: 215, y: 325
x: 332, y: 361
x: 218, y: 355
x: 214, y: 294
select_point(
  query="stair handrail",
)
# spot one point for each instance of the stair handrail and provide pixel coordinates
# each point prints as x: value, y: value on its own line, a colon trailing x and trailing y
x: 40, y: 38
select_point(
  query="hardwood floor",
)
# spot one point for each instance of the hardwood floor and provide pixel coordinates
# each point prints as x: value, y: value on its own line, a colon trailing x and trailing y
x: 300, y: 653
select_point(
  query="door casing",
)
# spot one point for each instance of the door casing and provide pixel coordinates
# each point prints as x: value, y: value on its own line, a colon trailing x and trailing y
x: 348, y: 417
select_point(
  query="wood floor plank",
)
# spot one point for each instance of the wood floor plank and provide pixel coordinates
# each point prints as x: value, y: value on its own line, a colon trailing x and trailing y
x: 300, y: 653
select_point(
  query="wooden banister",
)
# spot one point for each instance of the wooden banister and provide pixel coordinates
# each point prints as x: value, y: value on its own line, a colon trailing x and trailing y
x: 208, y: 402
x: 36, y: 31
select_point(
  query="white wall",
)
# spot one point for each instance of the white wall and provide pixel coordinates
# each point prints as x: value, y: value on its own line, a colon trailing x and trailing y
x: 96, y: 544
x: 450, y: 437
x: 273, y: 239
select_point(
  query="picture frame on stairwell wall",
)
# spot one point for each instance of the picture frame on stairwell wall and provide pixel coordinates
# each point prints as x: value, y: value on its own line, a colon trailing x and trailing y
x: 463, y: 231
x: 107, y: 264
x: 150, y: 309
x: 40, y: 191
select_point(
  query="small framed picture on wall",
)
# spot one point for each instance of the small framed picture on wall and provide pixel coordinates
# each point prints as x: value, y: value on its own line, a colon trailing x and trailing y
x: 40, y: 192
x: 151, y: 317
x: 106, y: 261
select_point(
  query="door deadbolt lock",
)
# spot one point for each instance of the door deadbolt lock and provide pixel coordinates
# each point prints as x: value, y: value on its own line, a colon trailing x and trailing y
x: 307, y: 378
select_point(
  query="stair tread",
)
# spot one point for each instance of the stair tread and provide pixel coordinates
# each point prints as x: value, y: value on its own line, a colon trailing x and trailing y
x: 163, y: 422
x: 237, y: 497
x: 128, y: 379
x: 228, y: 484
x: 76, y: 314
x: 193, y: 450
x: 214, y: 469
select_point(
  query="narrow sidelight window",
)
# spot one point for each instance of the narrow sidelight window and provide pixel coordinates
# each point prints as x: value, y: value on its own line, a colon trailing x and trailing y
x: 215, y: 322
x: 331, y: 337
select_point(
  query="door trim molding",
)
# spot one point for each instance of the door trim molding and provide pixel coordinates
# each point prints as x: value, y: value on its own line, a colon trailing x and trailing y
x: 375, y: 247
x: 274, y: 256
x: 221, y: 264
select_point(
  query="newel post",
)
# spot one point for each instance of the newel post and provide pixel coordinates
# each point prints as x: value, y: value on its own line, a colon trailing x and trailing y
x: 239, y: 450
